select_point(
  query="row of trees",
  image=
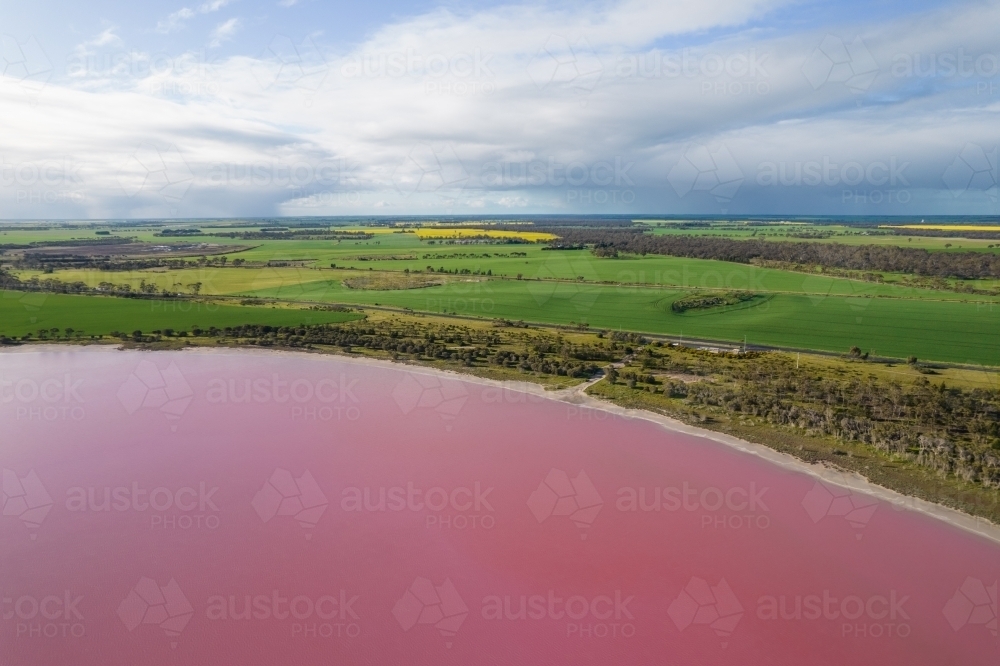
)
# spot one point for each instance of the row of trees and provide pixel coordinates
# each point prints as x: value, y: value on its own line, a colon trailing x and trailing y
x: 56, y: 286
x: 471, y: 347
x: 966, y: 265
x: 294, y: 234
x: 50, y: 262
x: 950, y: 430
x: 941, y: 233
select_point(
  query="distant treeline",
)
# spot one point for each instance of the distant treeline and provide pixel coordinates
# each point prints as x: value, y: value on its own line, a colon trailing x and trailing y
x: 941, y: 233
x: 966, y: 265
x: 55, y: 286
x: 50, y: 262
x: 289, y: 234
x: 561, y: 221
x: 478, y: 347
x: 74, y: 242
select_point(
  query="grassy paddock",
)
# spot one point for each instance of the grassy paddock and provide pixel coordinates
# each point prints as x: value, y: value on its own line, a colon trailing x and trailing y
x: 652, y: 270
x: 800, y: 310
x: 939, y: 330
x: 22, y: 313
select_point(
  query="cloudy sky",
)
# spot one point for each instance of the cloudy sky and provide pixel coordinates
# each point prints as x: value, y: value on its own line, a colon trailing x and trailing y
x: 298, y: 107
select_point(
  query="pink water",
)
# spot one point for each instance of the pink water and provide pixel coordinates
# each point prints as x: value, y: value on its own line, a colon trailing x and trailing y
x: 212, y: 500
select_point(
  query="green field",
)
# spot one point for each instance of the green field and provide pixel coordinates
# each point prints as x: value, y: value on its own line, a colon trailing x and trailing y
x: 652, y: 270
x: 794, y: 309
x: 891, y: 327
x: 22, y: 313
x: 831, y: 233
x: 388, y: 242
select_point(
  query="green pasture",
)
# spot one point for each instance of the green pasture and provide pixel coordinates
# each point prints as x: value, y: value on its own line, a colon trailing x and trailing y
x: 22, y: 313
x: 940, y: 330
x: 325, y: 251
x: 841, y: 234
x: 651, y: 270
x: 808, y: 311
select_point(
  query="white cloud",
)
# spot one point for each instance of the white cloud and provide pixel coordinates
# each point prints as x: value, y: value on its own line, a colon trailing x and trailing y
x: 489, y: 88
x: 176, y: 20
x: 224, y: 32
x: 88, y: 47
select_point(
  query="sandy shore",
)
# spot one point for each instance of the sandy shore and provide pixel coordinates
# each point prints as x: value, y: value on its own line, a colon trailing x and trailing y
x: 577, y: 397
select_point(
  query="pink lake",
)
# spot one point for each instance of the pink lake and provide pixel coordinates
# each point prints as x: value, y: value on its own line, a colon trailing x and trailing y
x: 253, y: 508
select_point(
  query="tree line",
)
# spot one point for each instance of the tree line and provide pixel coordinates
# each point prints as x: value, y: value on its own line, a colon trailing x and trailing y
x: 888, y: 258
x: 467, y: 346
x: 950, y: 430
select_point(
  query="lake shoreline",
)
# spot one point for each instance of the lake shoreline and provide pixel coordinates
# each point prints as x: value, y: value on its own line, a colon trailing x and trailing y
x: 576, y: 396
